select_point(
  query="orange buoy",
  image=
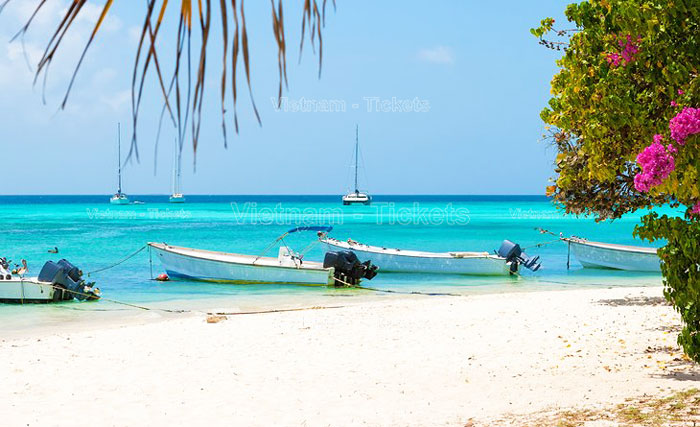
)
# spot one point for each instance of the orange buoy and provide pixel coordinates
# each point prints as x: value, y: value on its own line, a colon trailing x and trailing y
x: 163, y: 278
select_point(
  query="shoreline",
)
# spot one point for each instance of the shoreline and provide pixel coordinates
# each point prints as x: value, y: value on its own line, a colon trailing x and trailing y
x: 417, y: 361
x: 19, y: 320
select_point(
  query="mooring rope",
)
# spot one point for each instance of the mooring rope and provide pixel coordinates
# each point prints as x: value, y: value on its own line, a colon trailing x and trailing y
x: 123, y: 260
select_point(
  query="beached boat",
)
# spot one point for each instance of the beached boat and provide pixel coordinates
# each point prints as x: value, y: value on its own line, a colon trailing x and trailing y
x: 357, y: 196
x: 119, y: 198
x: 506, y: 261
x: 288, y: 267
x: 57, y: 282
x: 619, y: 257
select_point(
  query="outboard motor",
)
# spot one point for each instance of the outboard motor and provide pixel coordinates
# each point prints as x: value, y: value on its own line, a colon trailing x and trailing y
x: 348, y: 269
x: 65, y: 275
x: 515, y: 255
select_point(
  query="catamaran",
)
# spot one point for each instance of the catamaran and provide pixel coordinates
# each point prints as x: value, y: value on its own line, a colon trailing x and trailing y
x: 119, y: 198
x: 619, y: 257
x: 357, y: 196
x: 338, y: 268
x: 176, y: 196
x: 506, y: 260
x: 60, y: 281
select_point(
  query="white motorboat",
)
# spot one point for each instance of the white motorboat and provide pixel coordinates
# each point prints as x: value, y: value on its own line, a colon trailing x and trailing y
x: 119, y: 198
x: 55, y: 283
x: 288, y: 267
x: 620, y: 257
x: 357, y: 196
x: 18, y: 289
x: 198, y: 264
x: 506, y: 261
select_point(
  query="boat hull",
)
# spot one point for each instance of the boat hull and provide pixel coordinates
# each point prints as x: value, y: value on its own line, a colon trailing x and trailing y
x: 615, y: 257
x: 177, y: 199
x: 357, y: 198
x: 220, y: 267
x: 432, y: 263
x: 119, y: 201
x: 27, y: 291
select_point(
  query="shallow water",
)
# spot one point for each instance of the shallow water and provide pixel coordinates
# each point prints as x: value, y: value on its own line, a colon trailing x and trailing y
x: 94, y: 235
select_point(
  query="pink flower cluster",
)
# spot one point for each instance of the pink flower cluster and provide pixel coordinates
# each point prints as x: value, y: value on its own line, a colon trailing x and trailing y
x: 657, y: 164
x: 696, y: 210
x: 629, y: 49
x: 685, y: 124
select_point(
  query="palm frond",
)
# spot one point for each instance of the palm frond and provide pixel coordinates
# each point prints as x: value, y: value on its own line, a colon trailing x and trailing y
x: 233, y: 28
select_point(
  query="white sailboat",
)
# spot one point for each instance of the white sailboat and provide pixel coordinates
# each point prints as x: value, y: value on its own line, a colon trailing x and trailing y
x: 506, y: 261
x: 619, y: 257
x: 176, y: 196
x: 357, y: 196
x: 119, y: 198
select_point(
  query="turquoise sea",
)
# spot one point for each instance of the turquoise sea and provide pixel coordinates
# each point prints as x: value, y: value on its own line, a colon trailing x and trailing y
x: 93, y: 234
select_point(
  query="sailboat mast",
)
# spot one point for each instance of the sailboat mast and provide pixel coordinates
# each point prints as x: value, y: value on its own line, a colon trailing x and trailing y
x: 179, y: 168
x: 357, y: 145
x: 119, y: 156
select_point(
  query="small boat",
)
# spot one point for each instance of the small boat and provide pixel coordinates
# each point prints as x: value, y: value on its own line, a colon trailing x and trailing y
x: 505, y: 261
x: 357, y: 196
x: 619, y: 257
x: 176, y: 196
x: 119, y: 198
x: 60, y: 281
x: 288, y: 267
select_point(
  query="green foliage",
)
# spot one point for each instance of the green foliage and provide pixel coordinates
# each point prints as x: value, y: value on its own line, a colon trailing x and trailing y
x: 605, y: 111
x: 681, y: 269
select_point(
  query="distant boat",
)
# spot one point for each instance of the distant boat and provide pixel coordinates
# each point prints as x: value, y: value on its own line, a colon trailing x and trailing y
x: 613, y: 256
x: 119, y: 198
x: 506, y: 261
x: 176, y: 196
x: 288, y: 267
x: 357, y: 196
x: 57, y: 282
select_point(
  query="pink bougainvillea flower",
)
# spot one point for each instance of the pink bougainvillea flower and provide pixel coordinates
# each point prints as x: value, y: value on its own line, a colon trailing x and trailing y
x: 685, y: 124
x: 657, y: 164
x: 695, y: 211
x: 629, y: 47
x: 680, y: 92
x: 674, y: 103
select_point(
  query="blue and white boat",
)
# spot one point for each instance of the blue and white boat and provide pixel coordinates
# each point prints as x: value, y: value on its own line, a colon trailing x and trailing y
x: 287, y: 268
x: 612, y: 256
x: 507, y: 260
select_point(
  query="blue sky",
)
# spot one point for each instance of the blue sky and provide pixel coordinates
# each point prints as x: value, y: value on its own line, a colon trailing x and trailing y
x: 474, y: 67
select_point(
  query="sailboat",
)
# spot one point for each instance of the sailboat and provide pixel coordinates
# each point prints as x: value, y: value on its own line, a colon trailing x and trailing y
x: 176, y: 196
x: 357, y: 196
x: 119, y: 198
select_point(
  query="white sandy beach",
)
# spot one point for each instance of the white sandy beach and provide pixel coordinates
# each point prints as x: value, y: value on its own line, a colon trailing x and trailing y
x: 408, y: 361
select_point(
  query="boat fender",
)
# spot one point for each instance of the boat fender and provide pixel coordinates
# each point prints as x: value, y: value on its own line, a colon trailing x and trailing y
x: 163, y: 278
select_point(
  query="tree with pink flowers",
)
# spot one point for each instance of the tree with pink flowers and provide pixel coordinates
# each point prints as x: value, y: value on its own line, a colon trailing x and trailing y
x: 625, y: 118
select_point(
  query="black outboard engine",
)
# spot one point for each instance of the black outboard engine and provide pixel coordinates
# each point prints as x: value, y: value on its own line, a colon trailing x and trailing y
x: 68, y: 281
x: 515, y: 255
x: 348, y: 269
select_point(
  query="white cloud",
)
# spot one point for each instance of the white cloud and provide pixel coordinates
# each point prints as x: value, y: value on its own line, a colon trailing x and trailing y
x: 437, y: 55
